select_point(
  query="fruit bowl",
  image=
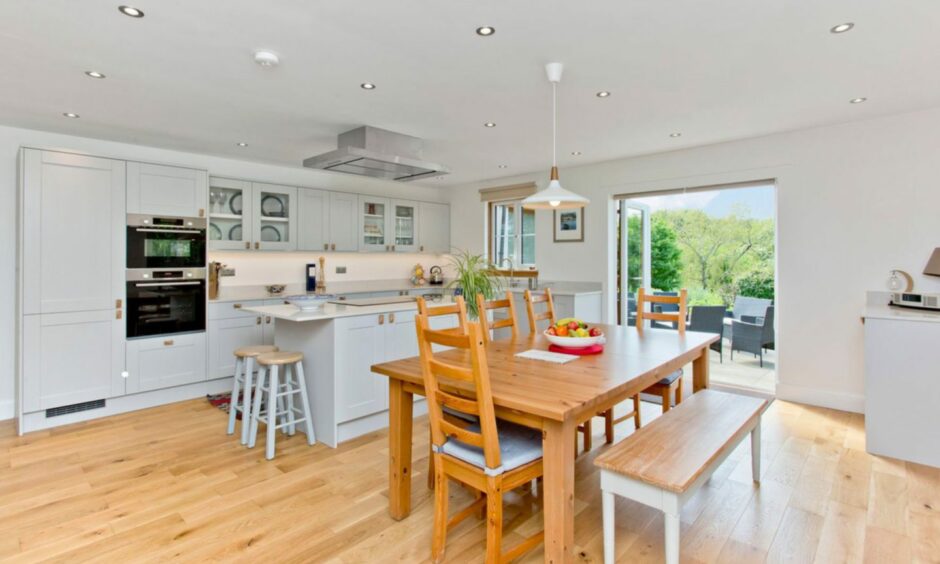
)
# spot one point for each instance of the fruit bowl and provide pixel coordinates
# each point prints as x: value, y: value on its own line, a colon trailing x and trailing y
x: 308, y: 303
x: 574, y: 342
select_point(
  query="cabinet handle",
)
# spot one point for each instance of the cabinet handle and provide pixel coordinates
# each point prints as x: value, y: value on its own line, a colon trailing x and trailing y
x: 391, y: 318
x: 267, y: 320
x: 202, y: 212
x: 117, y: 304
x: 257, y: 245
x: 117, y: 314
x: 326, y: 246
x: 237, y: 306
x: 381, y: 319
x: 422, y: 248
x: 168, y: 343
x: 393, y: 247
x: 258, y: 320
x: 247, y: 245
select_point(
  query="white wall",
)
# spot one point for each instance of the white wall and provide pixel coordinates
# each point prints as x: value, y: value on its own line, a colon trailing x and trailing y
x: 853, y: 201
x: 12, y: 138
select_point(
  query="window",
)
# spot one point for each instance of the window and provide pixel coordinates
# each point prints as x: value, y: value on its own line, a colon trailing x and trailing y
x: 512, y: 233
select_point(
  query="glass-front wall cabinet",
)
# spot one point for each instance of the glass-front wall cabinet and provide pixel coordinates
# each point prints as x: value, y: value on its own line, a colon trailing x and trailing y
x: 406, y: 226
x: 229, y: 212
x: 373, y: 219
x: 275, y: 219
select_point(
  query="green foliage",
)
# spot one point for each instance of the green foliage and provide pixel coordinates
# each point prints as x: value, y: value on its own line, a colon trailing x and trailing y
x: 666, y: 257
x: 474, y: 276
x: 757, y: 285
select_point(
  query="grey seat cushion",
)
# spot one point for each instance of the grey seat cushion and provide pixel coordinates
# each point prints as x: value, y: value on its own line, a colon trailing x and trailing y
x: 668, y: 380
x: 518, y: 446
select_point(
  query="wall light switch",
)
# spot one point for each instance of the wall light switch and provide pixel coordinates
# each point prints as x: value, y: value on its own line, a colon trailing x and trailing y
x: 227, y: 272
x: 340, y: 270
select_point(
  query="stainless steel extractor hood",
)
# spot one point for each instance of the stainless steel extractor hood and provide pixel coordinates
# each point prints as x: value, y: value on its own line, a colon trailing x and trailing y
x: 370, y: 151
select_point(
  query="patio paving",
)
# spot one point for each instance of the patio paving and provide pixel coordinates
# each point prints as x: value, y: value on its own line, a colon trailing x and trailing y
x: 745, y: 370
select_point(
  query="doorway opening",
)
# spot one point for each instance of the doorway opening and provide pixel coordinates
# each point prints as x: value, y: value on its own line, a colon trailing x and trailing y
x: 717, y: 243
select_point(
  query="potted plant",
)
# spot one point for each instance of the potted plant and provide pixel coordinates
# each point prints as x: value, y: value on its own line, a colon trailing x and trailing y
x: 474, y: 275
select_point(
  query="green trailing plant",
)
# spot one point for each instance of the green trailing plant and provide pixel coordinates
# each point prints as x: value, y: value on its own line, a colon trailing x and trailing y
x: 474, y: 275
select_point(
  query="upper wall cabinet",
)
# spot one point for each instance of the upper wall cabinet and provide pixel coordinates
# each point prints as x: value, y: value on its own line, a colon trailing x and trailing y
x: 252, y: 216
x: 389, y: 225
x: 314, y: 228
x: 373, y: 224
x: 434, y: 228
x: 166, y: 190
x: 405, y: 219
x: 344, y: 222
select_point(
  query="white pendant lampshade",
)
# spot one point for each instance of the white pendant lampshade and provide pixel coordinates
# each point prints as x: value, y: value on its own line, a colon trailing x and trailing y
x: 553, y: 196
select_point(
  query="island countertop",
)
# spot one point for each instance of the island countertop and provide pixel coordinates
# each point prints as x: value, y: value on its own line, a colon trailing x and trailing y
x: 334, y: 311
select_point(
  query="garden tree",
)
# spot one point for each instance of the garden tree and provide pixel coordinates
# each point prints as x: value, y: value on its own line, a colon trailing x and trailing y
x: 665, y: 254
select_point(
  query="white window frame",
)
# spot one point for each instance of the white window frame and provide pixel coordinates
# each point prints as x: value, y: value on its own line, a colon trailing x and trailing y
x: 517, y: 232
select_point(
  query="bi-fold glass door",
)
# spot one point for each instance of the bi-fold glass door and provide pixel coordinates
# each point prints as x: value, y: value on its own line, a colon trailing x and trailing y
x: 633, y: 257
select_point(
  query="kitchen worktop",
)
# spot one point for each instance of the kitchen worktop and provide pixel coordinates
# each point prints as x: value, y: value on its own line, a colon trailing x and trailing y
x: 239, y: 293
x: 894, y: 313
x: 335, y: 311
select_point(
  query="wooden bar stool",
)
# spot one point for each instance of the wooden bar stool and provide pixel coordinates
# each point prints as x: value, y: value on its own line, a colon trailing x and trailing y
x: 278, y: 392
x: 242, y: 382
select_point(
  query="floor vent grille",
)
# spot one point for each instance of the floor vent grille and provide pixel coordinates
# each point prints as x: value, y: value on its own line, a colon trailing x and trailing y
x: 75, y: 408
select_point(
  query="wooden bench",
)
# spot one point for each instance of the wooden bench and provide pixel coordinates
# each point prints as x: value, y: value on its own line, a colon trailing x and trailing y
x: 663, y: 464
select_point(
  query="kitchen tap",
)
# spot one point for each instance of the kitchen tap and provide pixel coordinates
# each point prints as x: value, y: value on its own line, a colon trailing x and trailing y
x: 512, y: 270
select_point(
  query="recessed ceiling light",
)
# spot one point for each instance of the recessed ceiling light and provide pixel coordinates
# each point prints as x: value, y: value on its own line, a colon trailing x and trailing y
x: 603, y: 94
x: 131, y: 11
x: 857, y: 100
x: 842, y: 28
x: 489, y: 124
x: 486, y: 31
x: 94, y: 74
x: 676, y: 134
x: 70, y: 115
x: 266, y: 58
x: 367, y: 86
x: 502, y: 166
x: 242, y: 144
x: 576, y: 153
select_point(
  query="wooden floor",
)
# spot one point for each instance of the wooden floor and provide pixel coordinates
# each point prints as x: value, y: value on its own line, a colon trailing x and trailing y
x: 169, y: 483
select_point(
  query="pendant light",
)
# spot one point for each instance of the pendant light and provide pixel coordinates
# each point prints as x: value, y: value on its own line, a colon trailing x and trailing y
x: 553, y: 196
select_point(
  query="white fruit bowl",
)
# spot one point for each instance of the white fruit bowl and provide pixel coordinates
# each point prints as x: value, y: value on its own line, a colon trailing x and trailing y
x: 574, y: 342
x: 308, y: 303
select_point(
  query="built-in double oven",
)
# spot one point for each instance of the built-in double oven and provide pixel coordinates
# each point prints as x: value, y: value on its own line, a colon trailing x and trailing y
x: 166, y: 275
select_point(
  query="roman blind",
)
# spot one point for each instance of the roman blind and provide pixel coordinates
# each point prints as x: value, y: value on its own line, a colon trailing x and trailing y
x: 511, y: 192
x: 690, y: 190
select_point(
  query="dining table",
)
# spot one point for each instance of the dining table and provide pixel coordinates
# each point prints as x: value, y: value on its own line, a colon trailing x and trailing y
x: 554, y: 398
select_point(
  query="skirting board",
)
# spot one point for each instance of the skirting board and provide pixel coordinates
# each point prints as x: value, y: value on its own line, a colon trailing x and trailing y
x: 6, y: 410
x: 821, y: 398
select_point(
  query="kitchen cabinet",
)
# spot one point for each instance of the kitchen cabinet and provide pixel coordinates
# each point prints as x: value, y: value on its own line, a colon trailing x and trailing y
x: 314, y: 227
x: 405, y: 218
x: 70, y: 358
x: 230, y: 328
x: 71, y: 248
x: 360, y: 343
x: 164, y: 362
x: 230, y: 211
x: 434, y: 228
x: 166, y: 190
x: 373, y: 224
x: 344, y: 222
x: 252, y: 216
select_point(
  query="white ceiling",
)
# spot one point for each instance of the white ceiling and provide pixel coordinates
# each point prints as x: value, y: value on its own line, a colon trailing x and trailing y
x: 182, y: 77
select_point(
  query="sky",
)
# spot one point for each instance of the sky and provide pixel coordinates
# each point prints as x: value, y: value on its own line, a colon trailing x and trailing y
x: 718, y: 203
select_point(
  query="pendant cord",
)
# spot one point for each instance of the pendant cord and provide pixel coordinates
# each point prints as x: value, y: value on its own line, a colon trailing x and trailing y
x: 554, y: 127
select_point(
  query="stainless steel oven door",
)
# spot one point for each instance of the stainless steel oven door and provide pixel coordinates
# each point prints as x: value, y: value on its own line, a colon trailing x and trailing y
x: 164, y: 305
x: 165, y: 242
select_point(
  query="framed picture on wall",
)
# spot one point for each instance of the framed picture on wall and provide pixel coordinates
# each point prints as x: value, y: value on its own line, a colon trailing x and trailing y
x: 569, y: 225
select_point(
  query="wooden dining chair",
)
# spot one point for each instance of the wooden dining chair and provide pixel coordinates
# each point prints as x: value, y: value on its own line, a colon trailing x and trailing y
x: 672, y: 383
x: 458, y: 308
x: 488, y: 457
x: 549, y: 312
x: 483, y: 307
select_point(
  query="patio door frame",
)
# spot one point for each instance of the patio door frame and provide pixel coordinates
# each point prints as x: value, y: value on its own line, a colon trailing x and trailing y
x: 624, y: 206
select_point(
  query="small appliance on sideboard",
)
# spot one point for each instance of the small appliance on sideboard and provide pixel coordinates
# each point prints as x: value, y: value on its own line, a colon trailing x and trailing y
x: 437, y: 275
x: 929, y: 302
x: 164, y: 302
x: 165, y: 242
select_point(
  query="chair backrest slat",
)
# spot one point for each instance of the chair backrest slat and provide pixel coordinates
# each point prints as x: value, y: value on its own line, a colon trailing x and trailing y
x: 483, y: 307
x: 458, y: 308
x: 549, y: 312
x: 677, y: 317
x: 441, y: 377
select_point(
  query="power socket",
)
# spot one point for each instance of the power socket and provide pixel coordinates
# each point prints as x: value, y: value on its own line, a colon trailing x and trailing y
x: 227, y: 272
x: 340, y: 270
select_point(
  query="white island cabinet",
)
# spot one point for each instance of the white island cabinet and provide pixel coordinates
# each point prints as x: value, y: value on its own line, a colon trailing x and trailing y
x: 340, y: 344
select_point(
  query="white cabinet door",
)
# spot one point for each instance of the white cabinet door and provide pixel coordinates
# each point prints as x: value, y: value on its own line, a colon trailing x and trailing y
x: 344, y: 222
x: 404, y: 218
x: 164, y: 362
x: 230, y: 213
x: 401, y: 337
x: 373, y: 224
x: 226, y: 335
x: 274, y: 222
x: 314, y: 226
x: 434, y: 228
x: 73, y: 237
x: 360, y: 343
x: 166, y: 190
x: 71, y: 358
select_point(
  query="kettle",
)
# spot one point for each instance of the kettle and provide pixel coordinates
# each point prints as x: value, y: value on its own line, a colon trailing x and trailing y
x: 437, y: 275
